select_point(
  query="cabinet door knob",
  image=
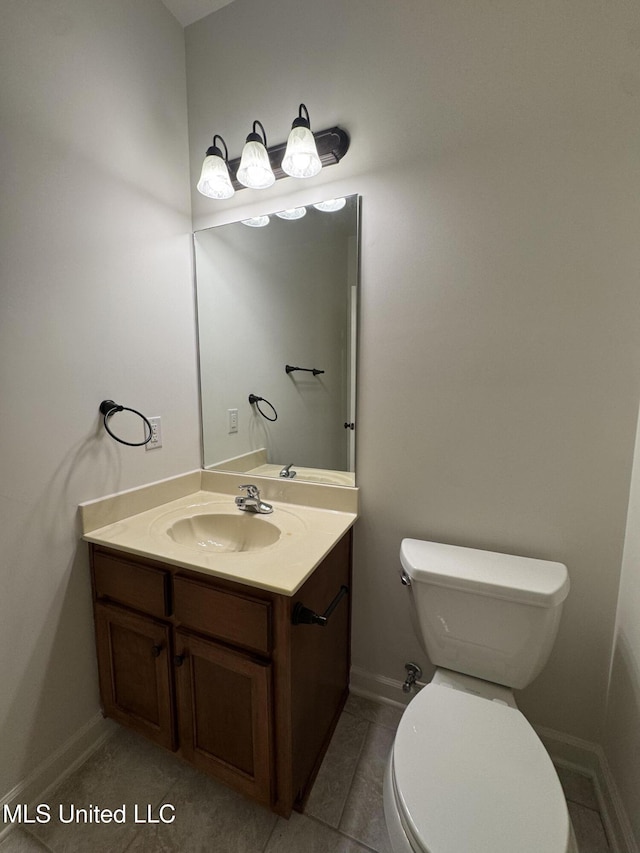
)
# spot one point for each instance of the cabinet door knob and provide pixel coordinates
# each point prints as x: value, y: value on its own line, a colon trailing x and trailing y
x: 179, y: 660
x: 156, y: 650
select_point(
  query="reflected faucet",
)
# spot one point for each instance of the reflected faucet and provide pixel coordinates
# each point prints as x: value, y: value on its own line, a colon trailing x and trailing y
x: 287, y: 472
x: 251, y: 502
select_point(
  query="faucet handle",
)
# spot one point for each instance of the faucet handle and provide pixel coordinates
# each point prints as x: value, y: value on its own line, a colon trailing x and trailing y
x: 252, y: 502
x: 252, y: 490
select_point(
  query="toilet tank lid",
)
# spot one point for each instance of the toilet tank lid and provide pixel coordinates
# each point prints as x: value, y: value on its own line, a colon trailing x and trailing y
x: 523, y: 579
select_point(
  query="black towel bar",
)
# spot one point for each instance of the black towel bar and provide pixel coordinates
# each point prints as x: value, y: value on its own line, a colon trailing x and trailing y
x: 304, y: 616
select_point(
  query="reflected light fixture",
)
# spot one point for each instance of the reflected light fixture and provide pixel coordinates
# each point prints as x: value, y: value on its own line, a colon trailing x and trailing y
x: 331, y: 205
x: 214, y: 179
x: 292, y: 213
x: 301, y: 158
x: 255, y: 169
x: 256, y: 221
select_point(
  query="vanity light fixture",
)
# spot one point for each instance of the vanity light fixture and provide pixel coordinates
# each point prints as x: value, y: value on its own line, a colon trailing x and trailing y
x: 301, y: 158
x: 292, y: 213
x: 255, y: 169
x: 260, y: 166
x: 256, y: 221
x: 214, y: 179
x: 331, y: 205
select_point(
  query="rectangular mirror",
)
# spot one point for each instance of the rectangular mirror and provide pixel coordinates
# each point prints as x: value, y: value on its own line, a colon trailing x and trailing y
x: 277, y: 320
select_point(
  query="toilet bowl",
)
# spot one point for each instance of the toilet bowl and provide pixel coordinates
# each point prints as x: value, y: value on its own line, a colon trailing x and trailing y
x: 467, y: 773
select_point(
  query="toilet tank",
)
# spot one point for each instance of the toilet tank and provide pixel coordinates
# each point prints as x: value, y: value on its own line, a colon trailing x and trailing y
x: 490, y: 615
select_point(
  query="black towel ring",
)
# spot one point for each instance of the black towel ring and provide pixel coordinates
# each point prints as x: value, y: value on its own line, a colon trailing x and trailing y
x: 254, y: 400
x: 109, y: 408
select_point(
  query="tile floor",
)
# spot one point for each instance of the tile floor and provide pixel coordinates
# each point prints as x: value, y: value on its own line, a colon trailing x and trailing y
x: 344, y: 813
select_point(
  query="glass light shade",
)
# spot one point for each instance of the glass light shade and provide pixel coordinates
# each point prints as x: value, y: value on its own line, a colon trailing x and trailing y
x: 214, y: 179
x: 255, y: 169
x: 256, y: 221
x: 301, y: 158
x: 292, y: 213
x: 331, y: 205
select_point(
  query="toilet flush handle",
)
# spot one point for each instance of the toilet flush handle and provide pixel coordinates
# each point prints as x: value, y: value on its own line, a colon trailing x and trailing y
x: 404, y: 578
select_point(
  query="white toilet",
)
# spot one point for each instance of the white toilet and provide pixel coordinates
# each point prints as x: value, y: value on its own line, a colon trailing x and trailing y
x: 467, y: 773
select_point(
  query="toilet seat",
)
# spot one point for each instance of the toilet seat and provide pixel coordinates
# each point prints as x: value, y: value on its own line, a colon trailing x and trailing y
x: 470, y: 774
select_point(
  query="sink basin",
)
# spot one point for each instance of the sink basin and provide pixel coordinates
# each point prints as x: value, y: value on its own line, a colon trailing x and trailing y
x: 216, y: 527
x: 223, y: 532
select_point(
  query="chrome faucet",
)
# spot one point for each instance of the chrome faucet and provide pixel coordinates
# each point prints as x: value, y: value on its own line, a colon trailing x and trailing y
x: 251, y: 502
x: 287, y: 472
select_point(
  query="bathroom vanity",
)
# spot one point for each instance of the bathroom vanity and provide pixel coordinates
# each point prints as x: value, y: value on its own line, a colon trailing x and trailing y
x: 212, y: 655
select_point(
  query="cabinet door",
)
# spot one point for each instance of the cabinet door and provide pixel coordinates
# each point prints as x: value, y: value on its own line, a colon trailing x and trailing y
x: 135, y: 673
x: 225, y: 717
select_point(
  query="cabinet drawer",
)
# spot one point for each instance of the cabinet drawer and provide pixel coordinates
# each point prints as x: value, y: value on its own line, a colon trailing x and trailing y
x: 236, y: 619
x: 141, y: 587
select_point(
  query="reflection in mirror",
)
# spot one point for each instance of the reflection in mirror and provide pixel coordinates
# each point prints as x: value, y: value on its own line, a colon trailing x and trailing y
x: 277, y: 309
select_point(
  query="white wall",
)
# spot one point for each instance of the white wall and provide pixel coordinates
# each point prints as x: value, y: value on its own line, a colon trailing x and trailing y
x: 622, y: 729
x: 95, y: 302
x: 496, y: 149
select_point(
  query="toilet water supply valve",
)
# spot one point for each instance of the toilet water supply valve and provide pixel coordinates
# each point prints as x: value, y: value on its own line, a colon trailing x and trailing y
x: 413, y: 674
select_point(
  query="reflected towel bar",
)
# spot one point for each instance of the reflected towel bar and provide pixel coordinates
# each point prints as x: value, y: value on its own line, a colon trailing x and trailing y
x: 313, y: 370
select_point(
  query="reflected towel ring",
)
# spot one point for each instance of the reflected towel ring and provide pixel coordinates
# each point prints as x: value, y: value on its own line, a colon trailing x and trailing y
x: 109, y: 408
x: 254, y: 400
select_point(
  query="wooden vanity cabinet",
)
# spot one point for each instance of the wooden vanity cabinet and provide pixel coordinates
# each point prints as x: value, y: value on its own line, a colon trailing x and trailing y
x: 217, y: 671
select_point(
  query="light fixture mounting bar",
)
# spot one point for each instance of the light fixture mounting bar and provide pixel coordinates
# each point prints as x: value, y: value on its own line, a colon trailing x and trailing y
x: 332, y: 145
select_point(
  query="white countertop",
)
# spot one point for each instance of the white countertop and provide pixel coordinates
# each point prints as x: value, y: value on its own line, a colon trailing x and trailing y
x: 139, y: 518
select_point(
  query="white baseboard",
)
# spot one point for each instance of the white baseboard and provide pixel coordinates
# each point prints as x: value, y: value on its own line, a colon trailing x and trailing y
x: 590, y: 759
x: 73, y: 753
x: 571, y: 752
x: 378, y: 687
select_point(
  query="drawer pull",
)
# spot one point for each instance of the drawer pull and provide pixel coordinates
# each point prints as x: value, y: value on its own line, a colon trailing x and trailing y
x: 179, y: 659
x: 304, y: 616
x: 156, y: 650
